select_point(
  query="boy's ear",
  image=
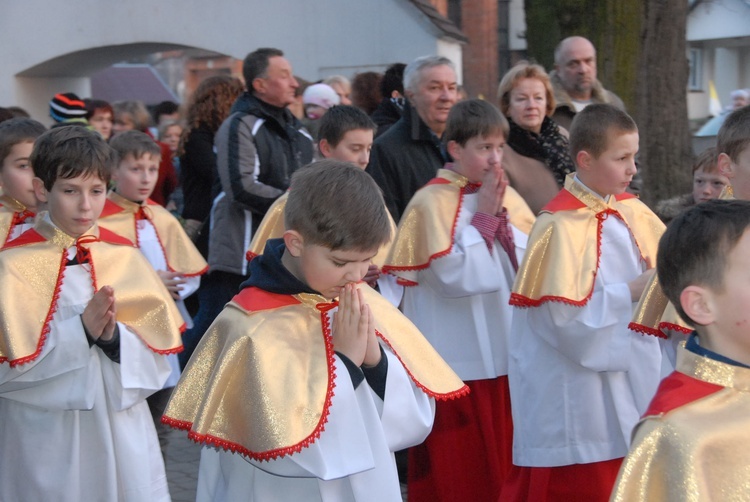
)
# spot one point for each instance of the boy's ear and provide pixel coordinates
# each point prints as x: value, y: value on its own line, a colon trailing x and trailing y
x: 324, y: 147
x: 583, y: 160
x: 39, y: 191
x: 454, y: 149
x: 724, y: 165
x: 697, y: 302
x: 293, y: 242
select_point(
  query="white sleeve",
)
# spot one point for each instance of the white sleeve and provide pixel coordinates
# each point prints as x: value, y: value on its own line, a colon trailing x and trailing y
x: 191, y: 286
x: 390, y: 289
x: 594, y: 336
x: 140, y: 372
x: 469, y: 269
x: 62, y: 377
x: 407, y: 413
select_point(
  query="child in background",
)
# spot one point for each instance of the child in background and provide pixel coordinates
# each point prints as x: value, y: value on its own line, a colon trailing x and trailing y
x: 100, y: 115
x: 346, y: 134
x: 733, y: 145
x: 85, y: 325
x: 298, y: 397
x: 708, y: 183
x: 129, y: 212
x: 456, y: 251
x: 170, y: 133
x: 693, y: 442
x: 317, y: 99
x: 18, y: 204
x: 579, y: 379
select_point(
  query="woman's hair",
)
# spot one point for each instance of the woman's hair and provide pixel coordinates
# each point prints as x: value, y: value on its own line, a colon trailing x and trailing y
x: 520, y: 71
x: 210, y: 103
x: 366, y: 91
x: 137, y: 111
x: 95, y: 105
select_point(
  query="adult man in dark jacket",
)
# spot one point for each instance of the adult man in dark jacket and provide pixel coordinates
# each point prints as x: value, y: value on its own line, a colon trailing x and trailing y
x: 574, y: 80
x: 258, y: 147
x: 409, y: 154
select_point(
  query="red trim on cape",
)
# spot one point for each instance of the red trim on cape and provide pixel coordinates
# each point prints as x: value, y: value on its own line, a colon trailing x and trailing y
x: 319, y: 428
x: 47, y: 320
x: 463, y: 391
x: 406, y: 282
x: 625, y: 196
x: 30, y: 236
x: 250, y: 256
x: 110, y: 208
x: 438, y: 181
x: 255, y: 299
x: 113, y: 238
x: 677, y: 390
x: 563, y: 201
x: 566, y: 201
x: 646, y: 330
x: 387, y: 269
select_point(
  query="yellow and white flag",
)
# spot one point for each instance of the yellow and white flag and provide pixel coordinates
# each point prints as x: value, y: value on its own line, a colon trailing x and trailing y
x: 714, y: 104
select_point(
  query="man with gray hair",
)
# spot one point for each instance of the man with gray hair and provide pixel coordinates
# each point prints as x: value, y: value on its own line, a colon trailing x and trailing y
x: 574, y: 80
x: 409, y: 154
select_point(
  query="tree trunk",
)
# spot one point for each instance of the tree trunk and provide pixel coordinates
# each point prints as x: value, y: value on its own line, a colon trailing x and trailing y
x: 641, y: 57
x: 613, y: 26
x: 662, y: 100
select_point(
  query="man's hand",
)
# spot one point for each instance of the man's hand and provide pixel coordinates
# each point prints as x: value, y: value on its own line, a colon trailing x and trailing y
x: 172, y: 281
x: 99, y: 316
x: 351, y: 325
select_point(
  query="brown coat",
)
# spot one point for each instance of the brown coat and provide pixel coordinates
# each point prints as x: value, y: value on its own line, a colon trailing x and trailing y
x: 531, y: 178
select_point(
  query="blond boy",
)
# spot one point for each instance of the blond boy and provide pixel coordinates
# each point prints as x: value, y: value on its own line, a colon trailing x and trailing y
x: 579, y: 379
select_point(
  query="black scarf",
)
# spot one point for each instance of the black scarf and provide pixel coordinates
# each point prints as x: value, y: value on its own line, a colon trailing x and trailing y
x: 267, y: 272
x: 549, y: 146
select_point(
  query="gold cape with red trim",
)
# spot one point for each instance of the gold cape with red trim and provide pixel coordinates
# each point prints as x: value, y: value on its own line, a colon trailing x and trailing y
x: 427, y: 227
x: 272, y: 227
x: 260, y: 382
x: 9, y: 208
x: 655, y: 315
x: 692, y: 444
x: 32, y: 268
x: 562, y: 256
x: 119, y: 216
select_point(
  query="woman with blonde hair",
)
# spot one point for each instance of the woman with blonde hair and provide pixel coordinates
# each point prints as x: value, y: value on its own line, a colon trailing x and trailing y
x: 536, y: 157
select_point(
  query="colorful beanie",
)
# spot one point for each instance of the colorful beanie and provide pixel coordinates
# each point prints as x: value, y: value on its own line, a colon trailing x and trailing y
x: 67, y: 107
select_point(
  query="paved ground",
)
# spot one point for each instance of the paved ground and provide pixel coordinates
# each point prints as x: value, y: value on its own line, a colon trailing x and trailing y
x: 182, y: 467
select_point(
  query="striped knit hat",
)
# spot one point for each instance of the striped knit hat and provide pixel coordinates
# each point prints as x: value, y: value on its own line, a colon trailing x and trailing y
x: 67, y: 107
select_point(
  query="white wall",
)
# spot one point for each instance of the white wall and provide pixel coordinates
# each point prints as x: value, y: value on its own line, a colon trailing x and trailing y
x: 44, y: 40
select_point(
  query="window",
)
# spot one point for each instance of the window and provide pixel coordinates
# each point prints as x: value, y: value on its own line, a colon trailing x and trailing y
x: 695, y: 58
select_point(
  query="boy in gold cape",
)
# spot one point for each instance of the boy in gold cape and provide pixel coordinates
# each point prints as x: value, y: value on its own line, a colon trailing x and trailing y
x: 313, y: 394
x: 85, y: 327
x: 579, y: 379
x: 693, y: 442
x: 18, y: 204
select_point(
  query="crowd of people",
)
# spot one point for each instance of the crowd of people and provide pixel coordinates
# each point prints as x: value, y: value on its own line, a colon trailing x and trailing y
x: 342, y: 287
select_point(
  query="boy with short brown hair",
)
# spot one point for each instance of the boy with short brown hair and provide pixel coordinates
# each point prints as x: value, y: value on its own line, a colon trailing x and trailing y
x: 587, y: 262
x: 314, y: 395
x: 456, y: 252
x: 693, y: 442
x: 18, y: 204
x: 85, y: 325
